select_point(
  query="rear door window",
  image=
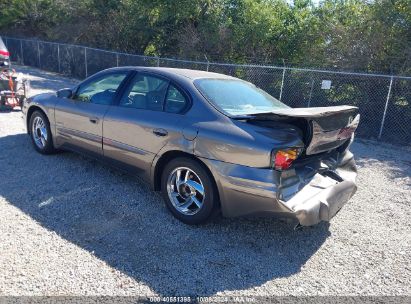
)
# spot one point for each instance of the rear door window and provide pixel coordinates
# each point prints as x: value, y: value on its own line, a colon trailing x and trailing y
x: 176, y: 100
x: 145, y: 92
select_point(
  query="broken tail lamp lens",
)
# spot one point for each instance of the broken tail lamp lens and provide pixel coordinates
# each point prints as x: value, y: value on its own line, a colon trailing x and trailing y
x: 284, y: 158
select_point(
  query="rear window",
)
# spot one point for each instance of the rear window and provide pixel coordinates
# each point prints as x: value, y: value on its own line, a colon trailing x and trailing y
x: 237, y: 97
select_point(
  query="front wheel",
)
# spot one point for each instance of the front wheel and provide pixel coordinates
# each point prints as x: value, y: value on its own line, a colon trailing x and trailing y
x: 189, y: 192
x: 40, y: 133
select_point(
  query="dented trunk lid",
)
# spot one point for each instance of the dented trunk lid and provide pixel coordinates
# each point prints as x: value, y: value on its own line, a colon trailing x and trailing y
x: 324, y: 128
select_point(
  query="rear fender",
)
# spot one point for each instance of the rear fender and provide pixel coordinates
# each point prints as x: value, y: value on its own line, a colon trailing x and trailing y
x: 243, y: 143
x: 180, y: 145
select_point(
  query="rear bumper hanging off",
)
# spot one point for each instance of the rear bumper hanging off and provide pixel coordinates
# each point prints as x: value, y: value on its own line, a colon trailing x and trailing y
x: 326, y: 192
x: 320, y: 200
x: 311, y: 194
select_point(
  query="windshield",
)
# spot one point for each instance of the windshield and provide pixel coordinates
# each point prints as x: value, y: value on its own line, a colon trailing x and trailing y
x: 237, y: 97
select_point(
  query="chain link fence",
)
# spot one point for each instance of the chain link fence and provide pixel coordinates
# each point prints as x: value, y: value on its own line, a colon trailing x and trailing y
x: 383, y: 100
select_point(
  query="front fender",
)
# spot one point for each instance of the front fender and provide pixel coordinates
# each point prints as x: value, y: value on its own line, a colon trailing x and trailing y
x: 45, y: 102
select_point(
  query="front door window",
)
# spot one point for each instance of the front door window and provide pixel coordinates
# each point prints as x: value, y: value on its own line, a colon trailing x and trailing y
x: 101, y: 90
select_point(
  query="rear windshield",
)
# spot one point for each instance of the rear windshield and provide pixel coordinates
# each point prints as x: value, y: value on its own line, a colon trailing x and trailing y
x: 237, y: 97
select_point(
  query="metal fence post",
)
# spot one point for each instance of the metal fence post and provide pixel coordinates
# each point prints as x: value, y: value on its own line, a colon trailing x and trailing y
x: 158, y: 61
x: 117, y: 59
x: 38, y: 52
x: 58, y: 57
x: 208, y: 62
x: 385, y: 108
x: 311, y: 93
x: 85, y: 61
x: 282, y: 84
x: 21, y: 51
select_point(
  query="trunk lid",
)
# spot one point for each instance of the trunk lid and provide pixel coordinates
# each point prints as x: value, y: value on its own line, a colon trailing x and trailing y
x: 324, y: 128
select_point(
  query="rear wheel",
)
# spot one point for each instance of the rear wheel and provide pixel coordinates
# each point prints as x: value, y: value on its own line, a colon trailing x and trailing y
x: 189, y: 191
x: 40, y: 133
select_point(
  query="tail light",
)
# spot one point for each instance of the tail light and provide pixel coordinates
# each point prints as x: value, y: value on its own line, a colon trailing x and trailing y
x: 284, y: 158
x: 4, y: 53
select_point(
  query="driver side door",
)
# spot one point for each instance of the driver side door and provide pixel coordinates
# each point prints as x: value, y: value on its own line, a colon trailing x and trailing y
x: 79, y: 119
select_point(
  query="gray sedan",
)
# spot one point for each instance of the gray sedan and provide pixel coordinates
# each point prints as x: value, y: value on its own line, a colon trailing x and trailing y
x: 209, y: 142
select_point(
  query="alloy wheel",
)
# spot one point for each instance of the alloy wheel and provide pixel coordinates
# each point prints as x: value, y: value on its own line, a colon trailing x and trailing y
x: 185, y: 190
x: 39, y: 132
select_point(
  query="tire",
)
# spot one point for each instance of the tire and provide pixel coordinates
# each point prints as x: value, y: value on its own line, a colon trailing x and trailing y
x: 178, y: 197
x: 40, y: 133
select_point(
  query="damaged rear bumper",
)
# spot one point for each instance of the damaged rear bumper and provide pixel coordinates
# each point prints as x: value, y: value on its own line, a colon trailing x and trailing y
x: 323, y: 195
x: 320, y: 200
x: 311, y: 193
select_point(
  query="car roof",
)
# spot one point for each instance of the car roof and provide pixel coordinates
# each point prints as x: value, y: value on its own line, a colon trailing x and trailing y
x: 187, y: 73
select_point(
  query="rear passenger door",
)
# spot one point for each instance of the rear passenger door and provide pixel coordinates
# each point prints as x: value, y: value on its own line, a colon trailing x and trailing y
x: 146, y: 118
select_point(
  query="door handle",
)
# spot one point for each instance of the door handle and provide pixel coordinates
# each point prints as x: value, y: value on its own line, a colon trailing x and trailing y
x: 160, y: 132
x: 93, y: 120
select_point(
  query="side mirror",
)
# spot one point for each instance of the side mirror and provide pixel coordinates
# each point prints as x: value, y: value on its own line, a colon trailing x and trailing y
x: 64, y: 93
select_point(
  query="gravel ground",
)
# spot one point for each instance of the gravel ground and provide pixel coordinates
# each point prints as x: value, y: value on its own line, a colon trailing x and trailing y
x: 72, y: 226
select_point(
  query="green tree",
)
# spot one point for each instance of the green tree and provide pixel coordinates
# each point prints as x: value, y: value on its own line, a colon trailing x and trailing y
x: 345, y: 34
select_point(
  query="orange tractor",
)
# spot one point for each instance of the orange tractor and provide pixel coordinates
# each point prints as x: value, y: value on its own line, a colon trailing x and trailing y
x: 13, y: 87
